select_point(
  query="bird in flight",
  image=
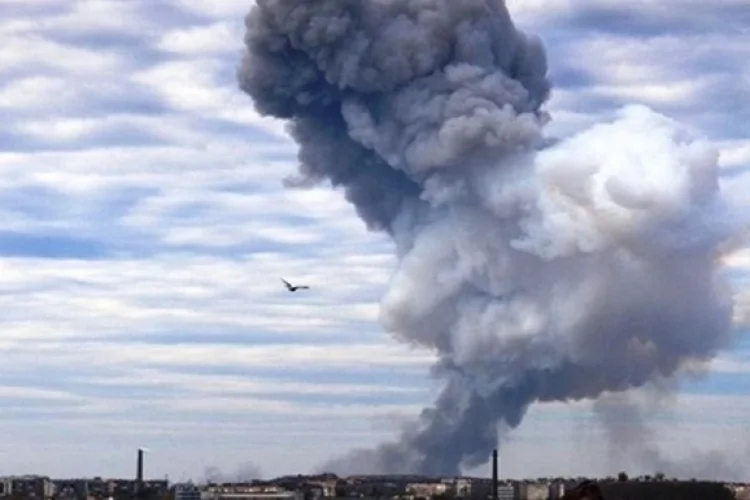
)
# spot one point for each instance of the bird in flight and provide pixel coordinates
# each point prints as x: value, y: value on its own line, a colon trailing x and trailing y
x: 293, y: 288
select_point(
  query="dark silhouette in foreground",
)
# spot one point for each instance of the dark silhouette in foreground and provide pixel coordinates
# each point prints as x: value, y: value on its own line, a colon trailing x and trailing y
x: 666, y: 490
x: 586, y: 490
x: 649, y: 490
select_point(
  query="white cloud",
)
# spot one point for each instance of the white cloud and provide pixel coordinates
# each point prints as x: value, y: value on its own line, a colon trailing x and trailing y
x: 665, y: 12
x: 675, y: 92
x: 296, y: 357
x: 63, y: 130
x: 230, y: 385
x: 105, y: 16
x: 32, y: 393
x: 735, y: 153
x: 34, y: 3
x: 22, y: 52
x: 218, y: 9
x: 731, y: 365
x: 187, y: 85
x: 179, y: 292
x: 195, y: 86
x: 36, y: 92
x: 219, y: 37
x: 739, y: 259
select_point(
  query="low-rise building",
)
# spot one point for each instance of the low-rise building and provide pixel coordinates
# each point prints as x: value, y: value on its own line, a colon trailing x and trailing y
x: 30, y: 487
x: 531, y: 491
x: 6, y: 486
x: 506, y: 492
x: 249, y: 492
x: 99, y: 489
x: 187, y: 491
x: 71, y: 489
x: 556, y: 490
x: 121, y: 488
x: 426, y: 490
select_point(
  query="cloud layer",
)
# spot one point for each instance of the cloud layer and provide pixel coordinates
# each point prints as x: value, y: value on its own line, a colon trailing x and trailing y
x: 144, y: 229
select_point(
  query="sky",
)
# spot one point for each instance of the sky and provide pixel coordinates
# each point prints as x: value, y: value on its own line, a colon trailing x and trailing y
x: 144, y: 229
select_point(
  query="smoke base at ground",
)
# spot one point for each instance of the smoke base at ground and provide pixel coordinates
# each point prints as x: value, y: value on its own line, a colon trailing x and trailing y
x: 247, y: 471
x: 633, y: 442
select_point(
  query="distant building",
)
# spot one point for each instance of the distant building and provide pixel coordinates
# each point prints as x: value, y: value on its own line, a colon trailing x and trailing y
x: 426, y: 490
x: 154, y: 488
x: 462, y: 487
x: 98, y: 488
x: 71, y: 489
x: 30, y: 487
x: 323, y: 487
x: 121, y: 488
x: 187, y: 491
x: 532, y: 491
x: 741, y: 492
x: 556, y: 490
x: 469, y: 487
x: 6, y: 486
x: 249, y: 492
x: 506, y: 492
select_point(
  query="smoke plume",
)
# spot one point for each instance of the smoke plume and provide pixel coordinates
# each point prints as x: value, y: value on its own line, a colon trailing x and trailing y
x: 631, y: 438
x: 246, y: 472
x: 536, y: 270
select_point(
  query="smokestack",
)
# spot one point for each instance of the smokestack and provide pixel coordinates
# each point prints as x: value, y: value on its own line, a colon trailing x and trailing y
x: 139, y: 473
x: 494, y: 474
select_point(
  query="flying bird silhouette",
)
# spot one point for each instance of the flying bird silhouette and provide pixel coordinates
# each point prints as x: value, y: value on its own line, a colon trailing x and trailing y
x: 293, y: 288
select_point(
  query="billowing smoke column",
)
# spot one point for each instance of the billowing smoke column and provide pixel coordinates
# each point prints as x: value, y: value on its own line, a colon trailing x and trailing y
x: 536, y: 272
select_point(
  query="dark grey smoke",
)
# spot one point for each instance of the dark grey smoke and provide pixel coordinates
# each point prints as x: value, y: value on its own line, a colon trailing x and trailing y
x: 536, y: 270
x: 631, y: 438
x: 244, y: 473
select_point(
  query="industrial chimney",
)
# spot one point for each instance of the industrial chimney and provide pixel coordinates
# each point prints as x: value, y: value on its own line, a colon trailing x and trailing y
x: 494, y: 474
x: 139, y: 474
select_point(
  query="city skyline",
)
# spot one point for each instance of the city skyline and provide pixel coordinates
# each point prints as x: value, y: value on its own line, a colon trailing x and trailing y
x: 145, y: 229
x: 394, y: 487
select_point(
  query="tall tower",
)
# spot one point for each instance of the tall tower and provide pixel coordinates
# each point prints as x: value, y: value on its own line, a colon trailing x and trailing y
x: 494, y: 474
x: 139, y: 474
